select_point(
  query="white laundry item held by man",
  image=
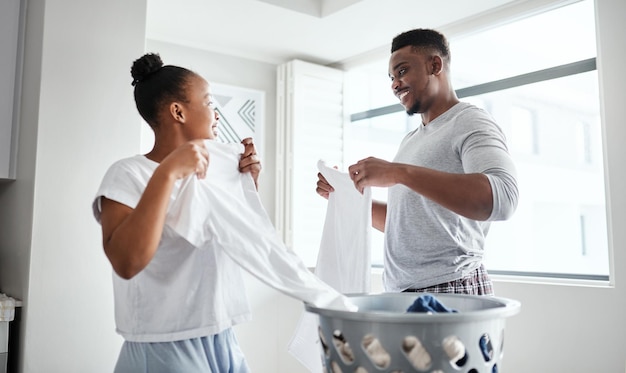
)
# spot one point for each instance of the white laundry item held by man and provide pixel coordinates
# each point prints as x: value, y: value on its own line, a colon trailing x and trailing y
x: 223, y: 211
x: 344, y: 258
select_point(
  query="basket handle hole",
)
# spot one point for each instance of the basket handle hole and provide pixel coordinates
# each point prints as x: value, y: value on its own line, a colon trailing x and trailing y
x: 375, y: 351
x: 455, y: 350
x: 486, y: 347
x: 323, y: 342
x: 336, y: 368
x: 343, y: 347
x: 416, y: 353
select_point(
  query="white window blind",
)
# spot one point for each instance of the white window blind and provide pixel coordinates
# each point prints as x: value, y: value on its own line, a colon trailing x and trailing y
x: 310, y: 125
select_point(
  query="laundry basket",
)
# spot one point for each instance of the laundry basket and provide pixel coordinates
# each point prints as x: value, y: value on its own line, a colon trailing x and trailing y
x: 383, y: 337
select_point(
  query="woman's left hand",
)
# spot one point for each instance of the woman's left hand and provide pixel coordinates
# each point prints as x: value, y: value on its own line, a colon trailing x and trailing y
x: 250, y: 161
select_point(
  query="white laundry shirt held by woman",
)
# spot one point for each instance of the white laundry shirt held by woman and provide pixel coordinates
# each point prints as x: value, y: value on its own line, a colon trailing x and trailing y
x: 223, y: 212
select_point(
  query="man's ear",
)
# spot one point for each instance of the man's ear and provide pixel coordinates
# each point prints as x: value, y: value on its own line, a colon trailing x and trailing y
x: 436, y: 65
x: 176, y: 111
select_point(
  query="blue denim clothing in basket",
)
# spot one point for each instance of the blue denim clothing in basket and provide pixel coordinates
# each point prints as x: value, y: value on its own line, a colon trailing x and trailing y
x: 428, y: 303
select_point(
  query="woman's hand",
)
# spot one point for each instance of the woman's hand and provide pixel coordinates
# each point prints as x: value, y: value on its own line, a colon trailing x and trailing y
x: 323, y: 187
x: 191, y: 157
x: 249, y: 161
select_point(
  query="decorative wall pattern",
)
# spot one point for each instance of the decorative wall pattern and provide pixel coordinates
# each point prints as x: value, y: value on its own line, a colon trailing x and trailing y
x: 241, y: 113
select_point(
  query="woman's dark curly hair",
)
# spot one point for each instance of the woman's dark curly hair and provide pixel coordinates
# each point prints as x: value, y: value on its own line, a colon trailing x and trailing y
x: 157, y: 84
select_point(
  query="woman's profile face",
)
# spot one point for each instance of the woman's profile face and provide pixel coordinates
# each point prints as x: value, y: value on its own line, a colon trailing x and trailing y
x: 201, y: 117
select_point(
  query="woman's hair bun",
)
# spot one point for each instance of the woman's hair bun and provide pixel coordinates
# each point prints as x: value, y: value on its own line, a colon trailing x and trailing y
x: 145, y: 66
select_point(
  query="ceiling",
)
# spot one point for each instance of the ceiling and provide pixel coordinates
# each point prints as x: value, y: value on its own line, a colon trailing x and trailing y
x: 321, y: 31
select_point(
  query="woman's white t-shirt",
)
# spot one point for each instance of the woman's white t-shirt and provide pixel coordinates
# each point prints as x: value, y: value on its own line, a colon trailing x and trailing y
x: 185, y: 291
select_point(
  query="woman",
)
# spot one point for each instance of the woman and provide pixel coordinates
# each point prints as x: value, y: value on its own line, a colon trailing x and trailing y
x: 174, y: 303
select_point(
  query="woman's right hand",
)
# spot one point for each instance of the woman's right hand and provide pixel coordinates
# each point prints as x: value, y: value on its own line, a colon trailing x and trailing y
x: 191, y: 157
x: 323, y: 187
x: 131, y: 236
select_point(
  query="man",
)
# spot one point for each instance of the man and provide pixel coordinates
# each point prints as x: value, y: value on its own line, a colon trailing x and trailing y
x: 451, y: 177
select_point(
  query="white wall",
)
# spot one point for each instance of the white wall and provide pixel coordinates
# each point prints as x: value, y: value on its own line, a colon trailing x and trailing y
x: 78, y: 117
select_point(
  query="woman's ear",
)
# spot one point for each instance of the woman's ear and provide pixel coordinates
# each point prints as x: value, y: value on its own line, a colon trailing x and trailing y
x: 176, y: 111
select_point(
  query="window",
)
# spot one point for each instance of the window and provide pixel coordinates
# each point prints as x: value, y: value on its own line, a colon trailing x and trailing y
x: 522, y: 131
x: 541, y: 85
x: 309, y: 127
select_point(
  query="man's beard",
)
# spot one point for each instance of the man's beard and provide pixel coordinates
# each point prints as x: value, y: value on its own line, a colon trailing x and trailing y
x: 417, y: 105
x: 414, y: 109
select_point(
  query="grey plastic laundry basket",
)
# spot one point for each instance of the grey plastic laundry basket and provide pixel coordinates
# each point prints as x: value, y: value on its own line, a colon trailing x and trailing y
x: 383, y: 326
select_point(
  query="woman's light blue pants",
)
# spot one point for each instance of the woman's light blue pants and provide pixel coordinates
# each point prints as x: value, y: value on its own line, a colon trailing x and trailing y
x: 218, y: 353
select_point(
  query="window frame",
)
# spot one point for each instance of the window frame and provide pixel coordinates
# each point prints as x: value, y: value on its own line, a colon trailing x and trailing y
x: 538, y: 76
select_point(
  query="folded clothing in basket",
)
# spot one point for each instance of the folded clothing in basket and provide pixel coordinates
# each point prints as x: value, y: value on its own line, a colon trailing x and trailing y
x: 428, y: 303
